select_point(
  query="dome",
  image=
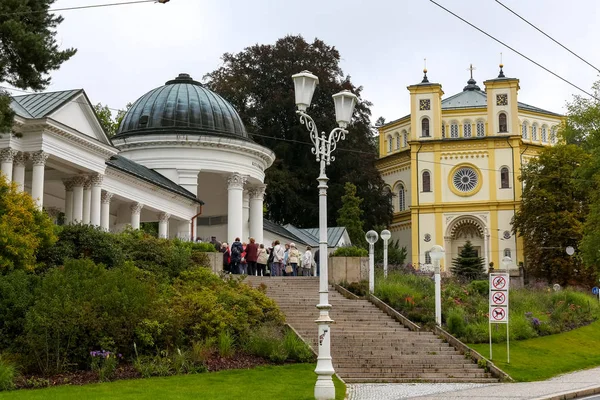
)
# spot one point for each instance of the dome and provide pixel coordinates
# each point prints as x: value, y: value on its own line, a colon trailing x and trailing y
x: 182, y: 106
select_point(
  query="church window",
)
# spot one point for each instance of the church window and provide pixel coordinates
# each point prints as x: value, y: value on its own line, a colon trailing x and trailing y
x: 425, y: 127
x: 507, y: 253
x: 502, y: 125
x: 480, y: 129
x: 427, y: 257
x: 524, y: 130
x: 401, y: 198
x: 467, y: 130
x: 397, y: 141
x: 454, y: 130
x: 405, y: 139
x: 544, y: 134
x: 504, y: 178
x: 553, y: 135
x: 426, y: 181
x: 390, y: 144
x: 465, y: 179
x: 534, y: 132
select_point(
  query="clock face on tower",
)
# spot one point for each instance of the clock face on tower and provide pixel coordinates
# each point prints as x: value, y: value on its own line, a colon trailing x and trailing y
x: 501, y: 99
x: 424, y: 104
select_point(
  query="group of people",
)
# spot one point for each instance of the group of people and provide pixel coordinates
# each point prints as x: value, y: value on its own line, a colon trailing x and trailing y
x: 276, y: 260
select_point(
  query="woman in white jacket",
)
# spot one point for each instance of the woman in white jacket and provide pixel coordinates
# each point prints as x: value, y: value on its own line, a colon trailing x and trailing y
x: 307, y: 262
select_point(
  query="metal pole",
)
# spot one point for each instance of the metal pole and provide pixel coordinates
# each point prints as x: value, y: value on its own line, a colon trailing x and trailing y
x: 371, y: 268
x: 490, y: 331
x: 438, y: 293
x: 507, y: 344
x: 385, y: 259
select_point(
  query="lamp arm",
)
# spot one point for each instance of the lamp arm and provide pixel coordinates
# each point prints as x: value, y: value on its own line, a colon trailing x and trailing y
x: 322, y: 146
x: 310, y: 125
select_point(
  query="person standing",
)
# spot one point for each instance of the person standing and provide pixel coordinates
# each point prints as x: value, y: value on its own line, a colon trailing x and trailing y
x: 251, y: 256
x: 293, y: 258
x: 278, y: 254
x: 243, y: 261
x: 261, y: 260
x: 236, y: 250
x: 318, y: 261
x: 226, y: 258
x: 216, y: 243
x: 270, y: 260
x: 286, y: 254
x: 307, y: 262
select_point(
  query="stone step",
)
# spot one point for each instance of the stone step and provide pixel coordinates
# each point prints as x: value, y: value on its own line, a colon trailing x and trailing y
x: 417, y: 375
x: 409, y: 367
x: 420, y: 380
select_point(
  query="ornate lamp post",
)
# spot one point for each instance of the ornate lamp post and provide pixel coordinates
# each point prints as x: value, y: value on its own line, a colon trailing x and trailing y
x: 437, y: 253
x: 344, y: 101
x: 385, y: 235
x: 371, y: 238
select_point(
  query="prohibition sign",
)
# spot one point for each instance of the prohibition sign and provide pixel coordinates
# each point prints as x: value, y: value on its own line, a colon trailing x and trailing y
x: 499, y: 298
x: 498, y: 314
x: 499, y: 282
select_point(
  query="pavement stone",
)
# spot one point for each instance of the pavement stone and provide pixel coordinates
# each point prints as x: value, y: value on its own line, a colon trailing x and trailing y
x: 392, y: 391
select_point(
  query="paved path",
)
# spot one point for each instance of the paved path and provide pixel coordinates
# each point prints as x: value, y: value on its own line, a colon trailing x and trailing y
x: 586, y: 382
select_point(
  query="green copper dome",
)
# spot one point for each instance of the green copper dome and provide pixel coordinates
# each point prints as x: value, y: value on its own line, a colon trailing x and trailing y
x: 182, y: 106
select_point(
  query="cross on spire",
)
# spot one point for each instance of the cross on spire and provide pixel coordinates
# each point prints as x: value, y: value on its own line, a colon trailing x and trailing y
x: 471, y: 68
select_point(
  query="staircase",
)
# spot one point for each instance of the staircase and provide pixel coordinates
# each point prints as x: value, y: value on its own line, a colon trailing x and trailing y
x: 367, y: 345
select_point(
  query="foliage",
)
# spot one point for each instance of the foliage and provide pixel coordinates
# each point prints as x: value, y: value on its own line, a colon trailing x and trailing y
x: 8, y: 373
x: 104, y: 363
x: 350, y: 251
x: 468, y: 265
x: 396, y: 254
x: 28, y: 48
x: 350, y: 215
x: 271, y: 341
x: 225, y: 344
x: 105, y: 117
x: 257, y: 81
x: 16, y: 297
x: 552, y: 214
x: 24, y: 230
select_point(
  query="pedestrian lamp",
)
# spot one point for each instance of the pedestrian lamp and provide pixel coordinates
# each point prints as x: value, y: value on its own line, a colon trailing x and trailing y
x: 344, y: 102
x: 437, y: 253
x: 371, y: 237
x: 385, y: 235
x: 506, y: 261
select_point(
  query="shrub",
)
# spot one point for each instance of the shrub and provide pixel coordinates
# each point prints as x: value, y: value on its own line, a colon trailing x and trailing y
x: 296, y: 349
x: 270, y: 342
x: 16, y: 297
x: 8, y: 373
x: 350, y: 251
x: 225, y: 344
x: 455, y: 320
x: 104, y: 363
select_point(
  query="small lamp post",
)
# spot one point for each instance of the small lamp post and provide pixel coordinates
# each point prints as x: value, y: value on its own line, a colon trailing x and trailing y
x: 344, y: 102
x: 371, y: 237
x: 506, y: 261
x: 436, y: 253
x: 385, y: 235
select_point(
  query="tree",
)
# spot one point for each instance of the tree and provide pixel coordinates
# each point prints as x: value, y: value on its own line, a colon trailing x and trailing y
x: 257, y: 81
x: 553, y: 210
x: 24, y: 230
x: 28, y: 49
x: 350, y: 215
x: 105, y: 117
x: 468, y: 264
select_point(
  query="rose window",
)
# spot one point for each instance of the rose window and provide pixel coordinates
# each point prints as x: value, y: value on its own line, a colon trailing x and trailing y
x: 465, y: 179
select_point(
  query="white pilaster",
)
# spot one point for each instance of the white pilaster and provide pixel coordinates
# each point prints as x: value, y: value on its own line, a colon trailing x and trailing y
x: 105, y: 211
x: 245, y: 216
x: 136, y: 210
x: 19, y: 170
x: 184, y: 231
x: 7, y: 156
x: 96, y: 199
x: 257, y: 196
x: 163, y: 225
x: 68, y: 201
x: 235, y: 188
x: 78, y: 183
x: 87, y: 201
x: 37, y: 182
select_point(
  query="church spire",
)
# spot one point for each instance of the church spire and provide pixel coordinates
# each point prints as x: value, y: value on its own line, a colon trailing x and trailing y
x: 425, y: 80
x: 471, y: 83
x: 501, y: 74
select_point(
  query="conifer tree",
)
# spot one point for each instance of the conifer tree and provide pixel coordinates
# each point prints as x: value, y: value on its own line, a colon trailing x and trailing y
x: 468, y: 264
x: 350, y: 215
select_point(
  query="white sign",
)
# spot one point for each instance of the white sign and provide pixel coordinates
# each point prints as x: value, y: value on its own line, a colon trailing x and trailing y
x: 498, y: 314
x: 499, y: 284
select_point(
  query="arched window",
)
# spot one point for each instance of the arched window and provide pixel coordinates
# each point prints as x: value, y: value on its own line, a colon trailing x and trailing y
x: 524, y: 130
x: 454, y: 130
x: 553, y: 135
x: 427, y: 257
x: 544, y: 134
x: 502, y: 125
x: 534, y: 132
x: 480, y: 129
x: 467, y: 129
x: 425, y: 127
x: 390, y: 144
x: 405, y: 139
x: 507, y: 253
x: 504, y: 178
x: 401, y: 198
x: 426, y: 181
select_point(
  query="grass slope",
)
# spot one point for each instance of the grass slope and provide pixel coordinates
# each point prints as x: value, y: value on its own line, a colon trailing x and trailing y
x: 544, y: 357
x: 292, y: 382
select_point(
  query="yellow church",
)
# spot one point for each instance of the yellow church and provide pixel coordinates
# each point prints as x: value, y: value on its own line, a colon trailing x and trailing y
x: 453, y: 165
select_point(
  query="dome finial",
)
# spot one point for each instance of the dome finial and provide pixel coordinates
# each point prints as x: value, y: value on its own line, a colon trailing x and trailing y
x: 501, y: 74
x: 425, y: 80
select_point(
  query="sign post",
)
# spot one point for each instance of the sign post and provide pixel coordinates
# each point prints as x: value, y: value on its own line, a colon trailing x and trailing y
x: 499, y: 285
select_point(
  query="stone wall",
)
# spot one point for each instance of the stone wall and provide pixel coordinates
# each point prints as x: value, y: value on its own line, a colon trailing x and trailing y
x: 348, y: 269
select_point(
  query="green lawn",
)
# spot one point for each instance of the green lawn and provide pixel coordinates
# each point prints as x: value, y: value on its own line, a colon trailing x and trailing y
x: 544, y: 357
x: 286, y: 382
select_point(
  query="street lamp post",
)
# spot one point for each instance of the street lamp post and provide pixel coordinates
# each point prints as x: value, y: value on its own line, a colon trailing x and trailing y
x: 436, y: 253
x: 372, y: 238
x: 344, y: 101
x: 385, y: 235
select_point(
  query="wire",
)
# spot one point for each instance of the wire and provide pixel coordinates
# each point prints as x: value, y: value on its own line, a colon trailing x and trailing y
x: 514, y: 50
x: 545, y: 34
x: 77, y: 8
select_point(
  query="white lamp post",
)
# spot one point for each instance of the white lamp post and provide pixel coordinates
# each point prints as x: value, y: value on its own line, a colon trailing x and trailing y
x: 304, y: 86
x: 436, y: 253
x: 372, y: 238
x: 385, y: 235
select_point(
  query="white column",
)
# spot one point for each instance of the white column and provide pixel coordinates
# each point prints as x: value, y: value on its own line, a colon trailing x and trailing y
x: 184, y: 231
x: 37, y: 182
x: 105, y: 211
x: 78, y: 183
x: 68, y: 201
x: 245, y: 216
x: 257, y: 196
x: 235, y: 188
x: 136, y: 210
x: 486, y: 246
x: 19, y: 170
x: 96, y: 199
x: 7, y: 156
x: 163, y: 225
x: 87, y: 201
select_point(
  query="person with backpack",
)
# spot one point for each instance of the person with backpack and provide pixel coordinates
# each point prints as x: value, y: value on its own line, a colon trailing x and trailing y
x: 293, y: 259
x: 236, y: 255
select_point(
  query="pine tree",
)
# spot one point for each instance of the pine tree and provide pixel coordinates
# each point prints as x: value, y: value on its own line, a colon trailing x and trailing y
x: 350, y: 215
x: 468, y: 264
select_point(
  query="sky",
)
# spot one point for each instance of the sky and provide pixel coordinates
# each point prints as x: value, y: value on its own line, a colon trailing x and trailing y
x: 125, y: 51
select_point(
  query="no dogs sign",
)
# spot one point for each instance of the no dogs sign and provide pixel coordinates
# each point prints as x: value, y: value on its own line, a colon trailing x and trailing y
x: 499, y: 284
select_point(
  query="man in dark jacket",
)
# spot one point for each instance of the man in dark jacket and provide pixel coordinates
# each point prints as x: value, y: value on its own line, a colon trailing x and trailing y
x: 236, y: 255
x: 251, y: 256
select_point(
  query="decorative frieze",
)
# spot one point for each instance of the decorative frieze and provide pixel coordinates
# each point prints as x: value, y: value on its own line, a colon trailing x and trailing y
x: 465, y: 154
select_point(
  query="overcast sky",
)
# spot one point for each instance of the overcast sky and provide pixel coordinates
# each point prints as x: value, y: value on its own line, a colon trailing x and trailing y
x: 125, y: 51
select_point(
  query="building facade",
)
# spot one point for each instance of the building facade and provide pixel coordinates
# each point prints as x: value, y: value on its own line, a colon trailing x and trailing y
x: 453, y: 165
